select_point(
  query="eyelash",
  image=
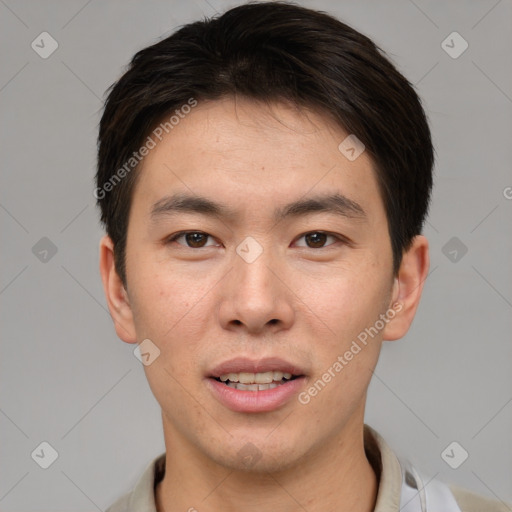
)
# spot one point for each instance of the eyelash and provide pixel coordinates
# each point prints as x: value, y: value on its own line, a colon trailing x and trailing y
x: 183, y: 233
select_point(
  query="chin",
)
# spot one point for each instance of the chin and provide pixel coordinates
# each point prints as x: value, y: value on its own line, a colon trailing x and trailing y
x: 258, y: 457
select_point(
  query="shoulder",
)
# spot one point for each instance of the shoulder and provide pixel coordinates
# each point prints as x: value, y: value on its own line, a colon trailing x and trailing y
x: 469, y: 501
x: 121, y: 505
x: 142, y: 497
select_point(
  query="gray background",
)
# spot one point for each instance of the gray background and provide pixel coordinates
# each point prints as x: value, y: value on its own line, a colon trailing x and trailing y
x: 68, y: 380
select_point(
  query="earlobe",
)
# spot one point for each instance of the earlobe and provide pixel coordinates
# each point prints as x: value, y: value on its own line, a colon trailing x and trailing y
x: 407, y: 288
x: 115, y: 293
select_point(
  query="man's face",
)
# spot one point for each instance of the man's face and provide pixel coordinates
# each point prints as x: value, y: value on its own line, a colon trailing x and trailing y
x: 297, y: 290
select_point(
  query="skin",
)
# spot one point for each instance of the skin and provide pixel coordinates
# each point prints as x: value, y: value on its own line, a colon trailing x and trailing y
x: 303, y: 300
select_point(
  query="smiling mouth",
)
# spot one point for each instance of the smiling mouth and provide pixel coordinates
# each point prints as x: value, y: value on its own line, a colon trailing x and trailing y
x: 245, y: 381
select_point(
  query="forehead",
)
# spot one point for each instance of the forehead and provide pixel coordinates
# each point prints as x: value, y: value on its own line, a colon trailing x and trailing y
x: 245, y: 153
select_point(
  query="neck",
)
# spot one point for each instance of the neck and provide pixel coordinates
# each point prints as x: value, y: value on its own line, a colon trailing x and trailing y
x: 337, y: 476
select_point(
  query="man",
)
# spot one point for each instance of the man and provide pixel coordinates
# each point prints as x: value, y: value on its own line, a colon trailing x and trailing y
x: 264, y: 178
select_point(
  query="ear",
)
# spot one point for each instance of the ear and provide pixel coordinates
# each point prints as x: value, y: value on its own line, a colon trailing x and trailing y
x: 115, y: 293
x: 407, y: 288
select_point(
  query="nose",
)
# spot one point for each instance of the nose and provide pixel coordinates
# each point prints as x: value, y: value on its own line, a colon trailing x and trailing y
x: 256, y: 296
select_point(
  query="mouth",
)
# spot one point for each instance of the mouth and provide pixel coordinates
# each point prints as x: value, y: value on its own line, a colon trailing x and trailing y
x: 245, y: 381
x: 244, y: 385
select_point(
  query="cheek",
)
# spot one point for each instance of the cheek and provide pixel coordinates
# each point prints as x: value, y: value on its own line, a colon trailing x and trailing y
x: 348, y: 301
x: 160, y: 293
x: 169, y: 314
x: 170, y: 310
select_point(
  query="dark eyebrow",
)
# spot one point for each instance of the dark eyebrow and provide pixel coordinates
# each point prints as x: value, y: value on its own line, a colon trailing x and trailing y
x: 336, y: 203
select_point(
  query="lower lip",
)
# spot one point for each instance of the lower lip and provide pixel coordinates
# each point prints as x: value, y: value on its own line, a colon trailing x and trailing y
x: 254, y: 401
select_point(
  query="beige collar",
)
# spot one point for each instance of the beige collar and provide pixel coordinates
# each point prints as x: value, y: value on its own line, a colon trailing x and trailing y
x: 381, y: 457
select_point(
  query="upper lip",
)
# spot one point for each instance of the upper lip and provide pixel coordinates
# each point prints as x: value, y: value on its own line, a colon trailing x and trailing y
x: 247, y: 365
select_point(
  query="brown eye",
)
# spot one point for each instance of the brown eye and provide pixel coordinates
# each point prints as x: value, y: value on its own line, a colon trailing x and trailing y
x: 193, y: 239
x: 196, y: 239
x: 317, y: 239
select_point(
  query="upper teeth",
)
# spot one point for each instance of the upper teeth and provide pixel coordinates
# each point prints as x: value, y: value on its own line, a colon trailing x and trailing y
x: 255, y: 378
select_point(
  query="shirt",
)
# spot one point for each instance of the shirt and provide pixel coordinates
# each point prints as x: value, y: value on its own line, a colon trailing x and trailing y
x: 382, y: 459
